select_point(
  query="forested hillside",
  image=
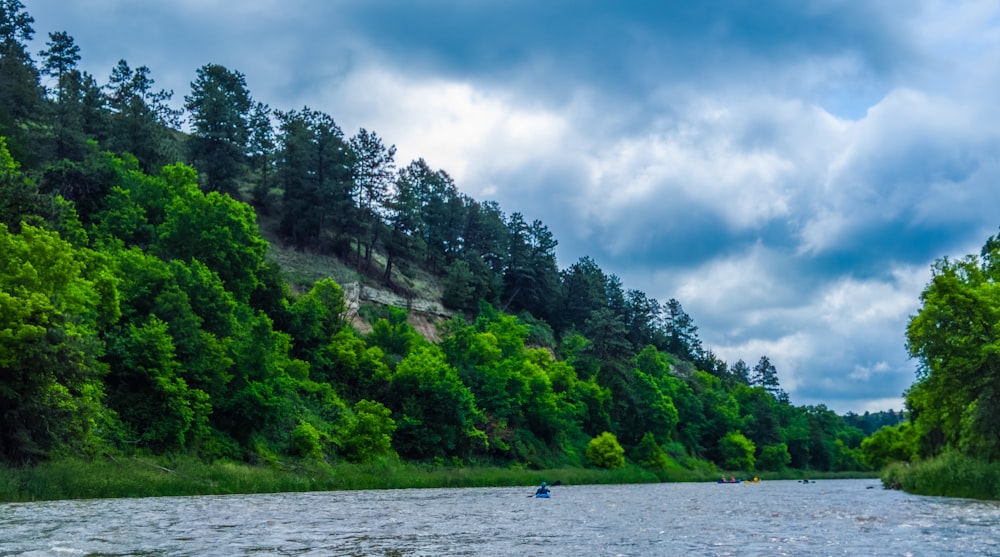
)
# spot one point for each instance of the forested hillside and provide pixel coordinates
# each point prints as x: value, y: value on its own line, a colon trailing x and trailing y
x: 143, y: 311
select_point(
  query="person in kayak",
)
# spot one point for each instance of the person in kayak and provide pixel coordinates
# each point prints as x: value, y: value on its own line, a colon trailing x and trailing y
x: 542, y: 490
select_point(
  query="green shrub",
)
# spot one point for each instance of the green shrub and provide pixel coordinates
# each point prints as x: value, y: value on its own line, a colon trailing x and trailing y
x: 949, y: 475
x: 650, y: 455
x: 604, y: 451
x: 774, y: 457
x: 305, y: 441
x: 370, y: 433
x: 737, y: 451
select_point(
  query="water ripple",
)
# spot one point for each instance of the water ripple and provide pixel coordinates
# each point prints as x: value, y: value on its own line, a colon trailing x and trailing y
x: 772, y: 518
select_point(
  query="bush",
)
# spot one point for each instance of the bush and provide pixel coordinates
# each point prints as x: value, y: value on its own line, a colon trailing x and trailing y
x: 774, y: 457
x: 737, y: 451
x: 650, y: 455
x: 370, y: 434
x: 604, y: 451
x: 306, y: 441
x: 890, y: 444
x: 949, y: 475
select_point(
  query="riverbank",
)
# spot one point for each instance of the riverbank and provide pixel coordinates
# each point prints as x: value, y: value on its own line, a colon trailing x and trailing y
x: 949, y: 475
x: 149, y: 477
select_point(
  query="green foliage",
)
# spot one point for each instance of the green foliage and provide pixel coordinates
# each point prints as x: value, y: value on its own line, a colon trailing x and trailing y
x: 650, y: 455
x: 604, y: 451
x: 145, y: 390
x: 20, y: 198
x: 394, y: 335
x: 317, y: 207
x: 954, y: 403
x: 141, y: 118
x: 369, y: 436
x: 316, y: 317
x: 435, y: 412
x: 774, y: 457
x: 890, y: 444
x: 53, y: 300
x: 306, y: 441
x: 459, y: 289
x: 220, y: 106
x: 347, y: 362
x: 951, y: 474
x: 215, y: 229
x: 737, y: 452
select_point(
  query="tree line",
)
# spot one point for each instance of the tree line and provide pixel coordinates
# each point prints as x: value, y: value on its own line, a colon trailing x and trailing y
x: 141, y: 312
x: 954, y: 406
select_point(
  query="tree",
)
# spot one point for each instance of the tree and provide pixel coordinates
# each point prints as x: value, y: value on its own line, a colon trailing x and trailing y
x: 60, y: 59
x: 60, y: 63
x: 357, y: 370
x: 737, y: 452
x: 459, y: 291
x: 681, y: 332
x: 584, y: 291
x: 890, y: 444
x: 483, y: 247
x: 84, y: 177
x: 215, y: 229
x: 370, y: 434
x: 261, y: 155
x: 649, y: 454
x: 604, y: 451
x: 740, y: 372
x: 773, y: 457
x: 20, y: 199
x: 20, y: 90
x: 316, y: 317
x: 531, y: 279
x: 440, y: 213
x: 145, y: 389
x: 373, y: 172
x: 404, y: 218
x: 219, y: 105
x: 956, y: 400
x: 765, y: 375
x: 141, y: 117
x: 435, y: 412
x: 54, y: 301
x: 642, y: 319
x: 314, y: 173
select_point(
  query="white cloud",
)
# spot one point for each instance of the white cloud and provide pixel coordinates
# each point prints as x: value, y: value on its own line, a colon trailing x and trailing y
x: 470, y: 133
x: 850, y: 305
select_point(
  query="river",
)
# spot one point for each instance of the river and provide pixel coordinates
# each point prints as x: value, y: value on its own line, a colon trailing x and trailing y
x: 832, y: 517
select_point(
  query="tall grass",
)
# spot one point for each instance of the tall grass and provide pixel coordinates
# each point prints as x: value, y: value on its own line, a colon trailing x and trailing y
x: 949, y: 475
x: 154, y: 477
x: 148, y: 477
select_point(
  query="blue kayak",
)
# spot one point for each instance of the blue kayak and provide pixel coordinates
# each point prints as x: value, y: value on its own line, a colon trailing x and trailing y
x: 541, y: 495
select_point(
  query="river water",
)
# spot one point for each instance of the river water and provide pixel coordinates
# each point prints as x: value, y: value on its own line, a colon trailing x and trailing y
x: 833, y: 517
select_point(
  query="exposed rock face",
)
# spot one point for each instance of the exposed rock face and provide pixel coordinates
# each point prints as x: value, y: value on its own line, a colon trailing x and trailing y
x: 423, y: 314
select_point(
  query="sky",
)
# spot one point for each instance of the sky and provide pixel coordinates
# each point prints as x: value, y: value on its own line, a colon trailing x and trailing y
x: 788, y: 170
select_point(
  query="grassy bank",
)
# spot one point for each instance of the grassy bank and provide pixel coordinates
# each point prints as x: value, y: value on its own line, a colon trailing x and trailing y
x: 148, y: 477
x: 949, y: 475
